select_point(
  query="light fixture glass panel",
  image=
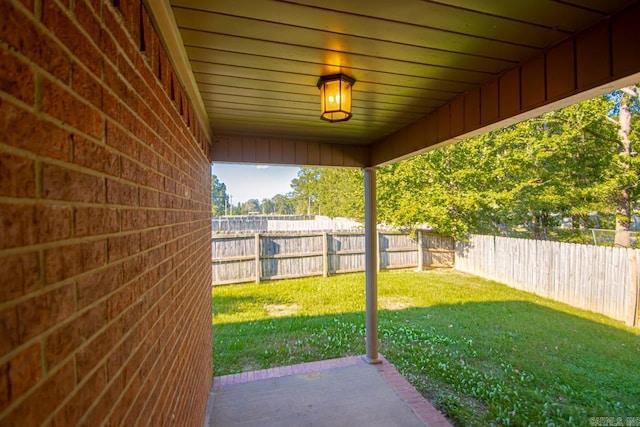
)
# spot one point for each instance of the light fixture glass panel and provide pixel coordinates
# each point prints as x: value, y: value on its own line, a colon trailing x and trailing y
x: 335, y: 97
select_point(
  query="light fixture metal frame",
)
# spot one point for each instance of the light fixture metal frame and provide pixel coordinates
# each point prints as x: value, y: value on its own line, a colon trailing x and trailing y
x: 325, y: 114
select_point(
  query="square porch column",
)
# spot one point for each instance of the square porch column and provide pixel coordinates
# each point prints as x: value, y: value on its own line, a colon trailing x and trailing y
x: 371, y: 264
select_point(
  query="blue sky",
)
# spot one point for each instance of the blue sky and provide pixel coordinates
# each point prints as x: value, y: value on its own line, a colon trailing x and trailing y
x: 246, y: 182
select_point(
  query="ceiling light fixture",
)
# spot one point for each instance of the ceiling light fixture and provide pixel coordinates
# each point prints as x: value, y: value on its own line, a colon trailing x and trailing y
x: 335, y: 97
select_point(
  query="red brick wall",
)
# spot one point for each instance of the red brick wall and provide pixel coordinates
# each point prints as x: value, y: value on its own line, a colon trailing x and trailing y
x: 105, y: 309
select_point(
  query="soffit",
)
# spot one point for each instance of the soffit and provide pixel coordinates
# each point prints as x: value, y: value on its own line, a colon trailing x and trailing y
x: 256, y: 62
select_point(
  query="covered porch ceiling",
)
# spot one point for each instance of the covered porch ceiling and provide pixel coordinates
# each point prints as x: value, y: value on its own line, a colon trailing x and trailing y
x: 427, y: 72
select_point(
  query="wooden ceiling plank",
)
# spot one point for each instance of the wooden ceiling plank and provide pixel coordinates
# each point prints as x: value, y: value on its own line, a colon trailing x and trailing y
x: 345, y: 43
x: 547, y: 13
x: 250, y: 118
x: 211, y: 91
x: 311, y: 79
x: 359, y: 114
x: 442, y: 17
x: 372, y: 96
x: 321, y: 56
x: 216, y: 56
x: 381, y: 29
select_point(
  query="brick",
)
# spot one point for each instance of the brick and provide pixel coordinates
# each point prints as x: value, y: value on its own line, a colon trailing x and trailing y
x: 120, y: 301
x: 20, y: 33
x: 82, y: 399
x: 21, y: 129
x: 66, y: 339
x: 61, y: 104
x: 147, y: 35
x: 155, y: 180
x: 67, y: 261
x: 133, y: 172
x: 16, y: 78
x: 118, y: 85
x: 119, y: 193
x: 17, y: 176
x: 9, y: 330
x: 140, y: 89
x: 85, y: 16
x: 52, y: 223
x: 95, y: 156
x: 133, y: 219
x: 149, y: 198
x: 121, y: 140
x: 113, y: 21
x: 92, y: 221
x: 99, y: 284
x: 104, y: 403
x: 61, y: 24
x: 86, y: 85
x: 19, y: 275
x: 59, y: 183
x: 28, y: 4
x: 43, y: 311
x: 148, y: 157
x: 36, y: 408
x: 23, y: 371
x: 131, y: 13
x: 120, y: 411
x: 123, y: 246
x: 155, y: 217
x: 150, y: 238
x: 91, y: 354
x: 22, y: 225
x: 119, y: 356
x: 5, y: 389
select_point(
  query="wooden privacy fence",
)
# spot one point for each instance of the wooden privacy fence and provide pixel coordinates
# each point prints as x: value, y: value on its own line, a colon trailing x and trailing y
x: 597, y: 278
x: 238, y: 258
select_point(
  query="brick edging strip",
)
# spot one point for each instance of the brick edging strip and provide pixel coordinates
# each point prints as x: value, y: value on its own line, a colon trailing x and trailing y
x: 407, y: 392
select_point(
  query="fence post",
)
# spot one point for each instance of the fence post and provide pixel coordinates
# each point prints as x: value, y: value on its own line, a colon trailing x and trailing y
x: 325, y: 254
x: 420, y: 252
x: 632, y: 304
x: 258, y: 263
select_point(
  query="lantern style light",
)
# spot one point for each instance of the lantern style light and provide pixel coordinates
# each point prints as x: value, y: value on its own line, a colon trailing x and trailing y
x: 335, y: 97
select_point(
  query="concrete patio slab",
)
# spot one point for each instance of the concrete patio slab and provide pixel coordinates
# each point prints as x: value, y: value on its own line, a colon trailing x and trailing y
x: 339, y: 392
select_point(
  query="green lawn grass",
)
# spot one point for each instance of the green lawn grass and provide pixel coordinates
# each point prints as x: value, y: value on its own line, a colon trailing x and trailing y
x: 482, y: 352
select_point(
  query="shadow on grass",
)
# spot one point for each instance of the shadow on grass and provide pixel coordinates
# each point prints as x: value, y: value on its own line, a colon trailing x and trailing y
x: 497, y: 362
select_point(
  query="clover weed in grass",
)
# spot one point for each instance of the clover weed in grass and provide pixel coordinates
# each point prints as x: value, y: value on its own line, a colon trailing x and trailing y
x: 482, y: 352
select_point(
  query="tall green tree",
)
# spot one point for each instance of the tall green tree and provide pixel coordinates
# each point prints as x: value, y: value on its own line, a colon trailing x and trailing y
x: 624, y: 175
x: 219, y: 197
x: 448, y: 189
x: 283, y: 204
x: 530, y: 174
x: 341, y: 193
x: 305, y: 191
x: 250, y: 206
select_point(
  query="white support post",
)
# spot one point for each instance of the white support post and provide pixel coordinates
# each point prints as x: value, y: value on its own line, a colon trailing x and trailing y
x: 371, y: 264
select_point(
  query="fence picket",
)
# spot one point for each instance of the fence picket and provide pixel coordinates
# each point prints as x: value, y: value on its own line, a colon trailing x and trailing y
x: 589, y: 277
x: 238, y: 258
